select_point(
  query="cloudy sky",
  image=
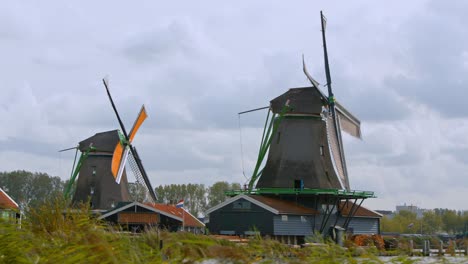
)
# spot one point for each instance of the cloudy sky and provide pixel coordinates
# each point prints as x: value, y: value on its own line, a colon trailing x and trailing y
x: 402, y: 68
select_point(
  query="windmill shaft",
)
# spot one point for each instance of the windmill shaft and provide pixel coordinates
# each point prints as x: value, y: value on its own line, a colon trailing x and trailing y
x: 253, y: 110
x: 67, y: 149
x: 115, y: 110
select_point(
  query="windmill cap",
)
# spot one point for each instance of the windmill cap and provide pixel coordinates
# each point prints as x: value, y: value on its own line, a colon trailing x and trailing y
x: 103, y: 141
x: 307, y: 100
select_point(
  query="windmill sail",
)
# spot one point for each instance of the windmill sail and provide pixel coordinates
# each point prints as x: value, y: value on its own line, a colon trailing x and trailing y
x: 140, y: 174
x: 117, y: 159
x: 312, y: 80
x: 349, y: 123
x: 125, y: 147
x: 138, y: 121
x: 120, y: 155
x: 336, y: 152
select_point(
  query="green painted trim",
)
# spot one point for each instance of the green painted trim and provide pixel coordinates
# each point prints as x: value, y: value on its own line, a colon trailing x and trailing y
x: 331, y: 192
x: 266, y: 142
x: 69, y: 188
x: 303, y: 117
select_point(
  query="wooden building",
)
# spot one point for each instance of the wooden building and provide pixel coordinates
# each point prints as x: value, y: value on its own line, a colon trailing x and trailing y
x: 137, y: 217
x: 189, y: 222
x: 9, y: 209
x: 285, y: 220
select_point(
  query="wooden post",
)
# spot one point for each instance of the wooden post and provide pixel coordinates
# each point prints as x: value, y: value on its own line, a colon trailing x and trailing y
x: 441, y: 248
x: 411, y: 247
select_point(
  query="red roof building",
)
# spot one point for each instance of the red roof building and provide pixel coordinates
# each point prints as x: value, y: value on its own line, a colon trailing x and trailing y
x: 9, y: 209
x: 6, y: 202
x: 190, y: 222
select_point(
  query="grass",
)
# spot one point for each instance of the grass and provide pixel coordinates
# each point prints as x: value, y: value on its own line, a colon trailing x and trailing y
x: 54, y: 234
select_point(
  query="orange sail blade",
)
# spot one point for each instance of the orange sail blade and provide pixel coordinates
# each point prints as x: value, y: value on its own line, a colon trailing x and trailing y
x: 140, y: 119
x: 116, y: 159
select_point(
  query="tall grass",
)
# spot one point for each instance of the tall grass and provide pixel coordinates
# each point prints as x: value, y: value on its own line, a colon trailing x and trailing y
x: 54, y: 233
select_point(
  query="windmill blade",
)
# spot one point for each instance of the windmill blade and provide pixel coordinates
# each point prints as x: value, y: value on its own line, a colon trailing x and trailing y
x: 117, y: 159
x: 119, y: 156
x: 136, y: 125
x: 349, y: 123
x: 122, y: 165
x: 106, y: 84
x: 139, y: 178
x: 312, y: 80
x: 141, y: 171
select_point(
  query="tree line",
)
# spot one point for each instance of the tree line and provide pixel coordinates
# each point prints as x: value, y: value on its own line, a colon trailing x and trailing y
x: 432, y: 222
x: 30, y: 189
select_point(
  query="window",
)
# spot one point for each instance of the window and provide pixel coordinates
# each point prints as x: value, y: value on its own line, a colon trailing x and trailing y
x: 284, y: 218
x: 5, y: 214
x: 241, y: 205
x: 322, y: 153
x: 303, y: 219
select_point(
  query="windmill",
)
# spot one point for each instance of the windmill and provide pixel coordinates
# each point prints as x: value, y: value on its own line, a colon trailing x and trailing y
x: 99, y: 175
x: 303, y: 161
x: 303, y: 138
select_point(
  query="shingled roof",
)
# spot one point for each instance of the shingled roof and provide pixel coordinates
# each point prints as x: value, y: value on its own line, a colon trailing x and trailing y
x: 6, y: 202
x: 274, y: 205
x: 284, y: 207
x: 361, y: 211
x: 188, y: 218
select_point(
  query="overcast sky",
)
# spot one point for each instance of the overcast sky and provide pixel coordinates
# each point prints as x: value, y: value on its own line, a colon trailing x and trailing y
x: 402, y: 68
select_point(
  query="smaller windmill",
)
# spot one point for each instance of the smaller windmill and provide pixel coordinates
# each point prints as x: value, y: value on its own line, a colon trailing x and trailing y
x: 99, y: 175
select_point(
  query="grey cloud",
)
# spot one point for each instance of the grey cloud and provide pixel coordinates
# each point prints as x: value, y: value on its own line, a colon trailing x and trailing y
x: 30, y: 146
x: 195, y: 68
x: 161, y: 45
x: 435, y: 45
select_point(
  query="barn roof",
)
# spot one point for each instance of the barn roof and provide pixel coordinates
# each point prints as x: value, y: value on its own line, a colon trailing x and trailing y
x: 6, y: 202
x: 122, y: 206
x: 189, y: 219
x: 283, y: 206
x: 361, y: 211
x: 274, y: 205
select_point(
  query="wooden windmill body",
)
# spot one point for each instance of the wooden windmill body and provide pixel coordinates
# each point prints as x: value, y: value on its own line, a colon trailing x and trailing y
x: 305, y: 149
x: 96, y: 183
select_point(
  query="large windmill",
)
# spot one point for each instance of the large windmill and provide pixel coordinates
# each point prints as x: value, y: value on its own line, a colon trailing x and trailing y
x: 99, y: 176
x: 303, y: 139
x: 303, y: 188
